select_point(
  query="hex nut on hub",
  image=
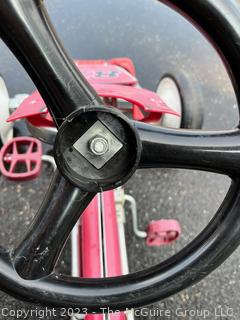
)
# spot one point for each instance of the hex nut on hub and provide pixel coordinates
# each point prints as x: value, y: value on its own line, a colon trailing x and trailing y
x: 97, y: 149
x: 99, y: 145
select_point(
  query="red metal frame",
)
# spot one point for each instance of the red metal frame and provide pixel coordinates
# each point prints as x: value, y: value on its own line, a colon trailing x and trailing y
x: 98, y: 243
x: 90, y: 240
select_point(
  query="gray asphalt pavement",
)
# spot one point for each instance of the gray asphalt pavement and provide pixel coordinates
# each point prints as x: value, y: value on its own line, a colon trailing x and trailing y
x: 159, y: 41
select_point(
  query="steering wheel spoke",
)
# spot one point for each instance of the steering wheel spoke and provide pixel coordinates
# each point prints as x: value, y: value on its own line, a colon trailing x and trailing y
x: 214, y: 151
x: 44, y: 57
x: 37, y: 254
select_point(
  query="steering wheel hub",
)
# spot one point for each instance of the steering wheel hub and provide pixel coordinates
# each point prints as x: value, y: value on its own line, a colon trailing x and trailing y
x: 97, y: 148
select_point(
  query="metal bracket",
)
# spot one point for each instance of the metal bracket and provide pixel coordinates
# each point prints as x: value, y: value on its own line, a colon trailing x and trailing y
x: 85, y: 145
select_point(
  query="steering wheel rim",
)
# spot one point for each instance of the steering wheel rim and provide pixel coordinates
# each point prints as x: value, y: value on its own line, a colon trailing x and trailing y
x: 209, y: 249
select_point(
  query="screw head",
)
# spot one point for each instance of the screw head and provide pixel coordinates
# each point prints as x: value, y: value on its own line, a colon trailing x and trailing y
x: 99, y: 145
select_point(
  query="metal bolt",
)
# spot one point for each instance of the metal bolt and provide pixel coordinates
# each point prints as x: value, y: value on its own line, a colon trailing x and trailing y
x: 99, y: 146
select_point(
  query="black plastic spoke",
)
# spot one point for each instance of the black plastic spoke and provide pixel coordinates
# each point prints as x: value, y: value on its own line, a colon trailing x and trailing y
x: 27, y: 30
x: 214, y: 151
x: 40, y: 248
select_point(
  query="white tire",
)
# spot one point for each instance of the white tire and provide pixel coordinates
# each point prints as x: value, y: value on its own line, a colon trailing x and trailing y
x: 6, y: 129
x: 168, y: 91
x: 181, y: 91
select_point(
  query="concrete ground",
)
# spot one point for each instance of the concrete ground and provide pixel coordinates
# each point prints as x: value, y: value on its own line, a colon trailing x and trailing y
x: 159, y: 41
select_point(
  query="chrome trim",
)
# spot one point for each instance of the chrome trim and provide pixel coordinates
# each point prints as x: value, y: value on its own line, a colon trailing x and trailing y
x: 133, y: 208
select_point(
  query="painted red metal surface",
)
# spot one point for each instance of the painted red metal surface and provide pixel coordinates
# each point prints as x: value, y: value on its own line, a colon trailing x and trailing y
x: 105, y: 73
x: 31, y: 106
x: 92, y: 245
x: 112, y: 248
x: 123, y: 62
x: 145, y: 100
x: 42, y: 120
x: 94, y: 317
x: 21, y: 158
x: 91, y: 241
x: 162, y: 232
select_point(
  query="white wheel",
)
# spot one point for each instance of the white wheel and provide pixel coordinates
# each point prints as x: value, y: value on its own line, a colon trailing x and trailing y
x: 181, y: 91
x: 6, y: 129
x: 169, y: 92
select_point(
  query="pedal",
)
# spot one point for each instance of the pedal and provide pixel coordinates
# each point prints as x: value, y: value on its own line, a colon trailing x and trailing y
x: 21, y: 158
x: 162, y: 232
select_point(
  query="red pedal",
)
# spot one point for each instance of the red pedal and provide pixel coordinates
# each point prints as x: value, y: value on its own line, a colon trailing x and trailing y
x: 162, y: 232
x: 21, y: 158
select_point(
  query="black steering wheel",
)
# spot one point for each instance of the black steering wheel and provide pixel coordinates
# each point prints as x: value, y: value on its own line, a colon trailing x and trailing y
x: 27, y: 272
